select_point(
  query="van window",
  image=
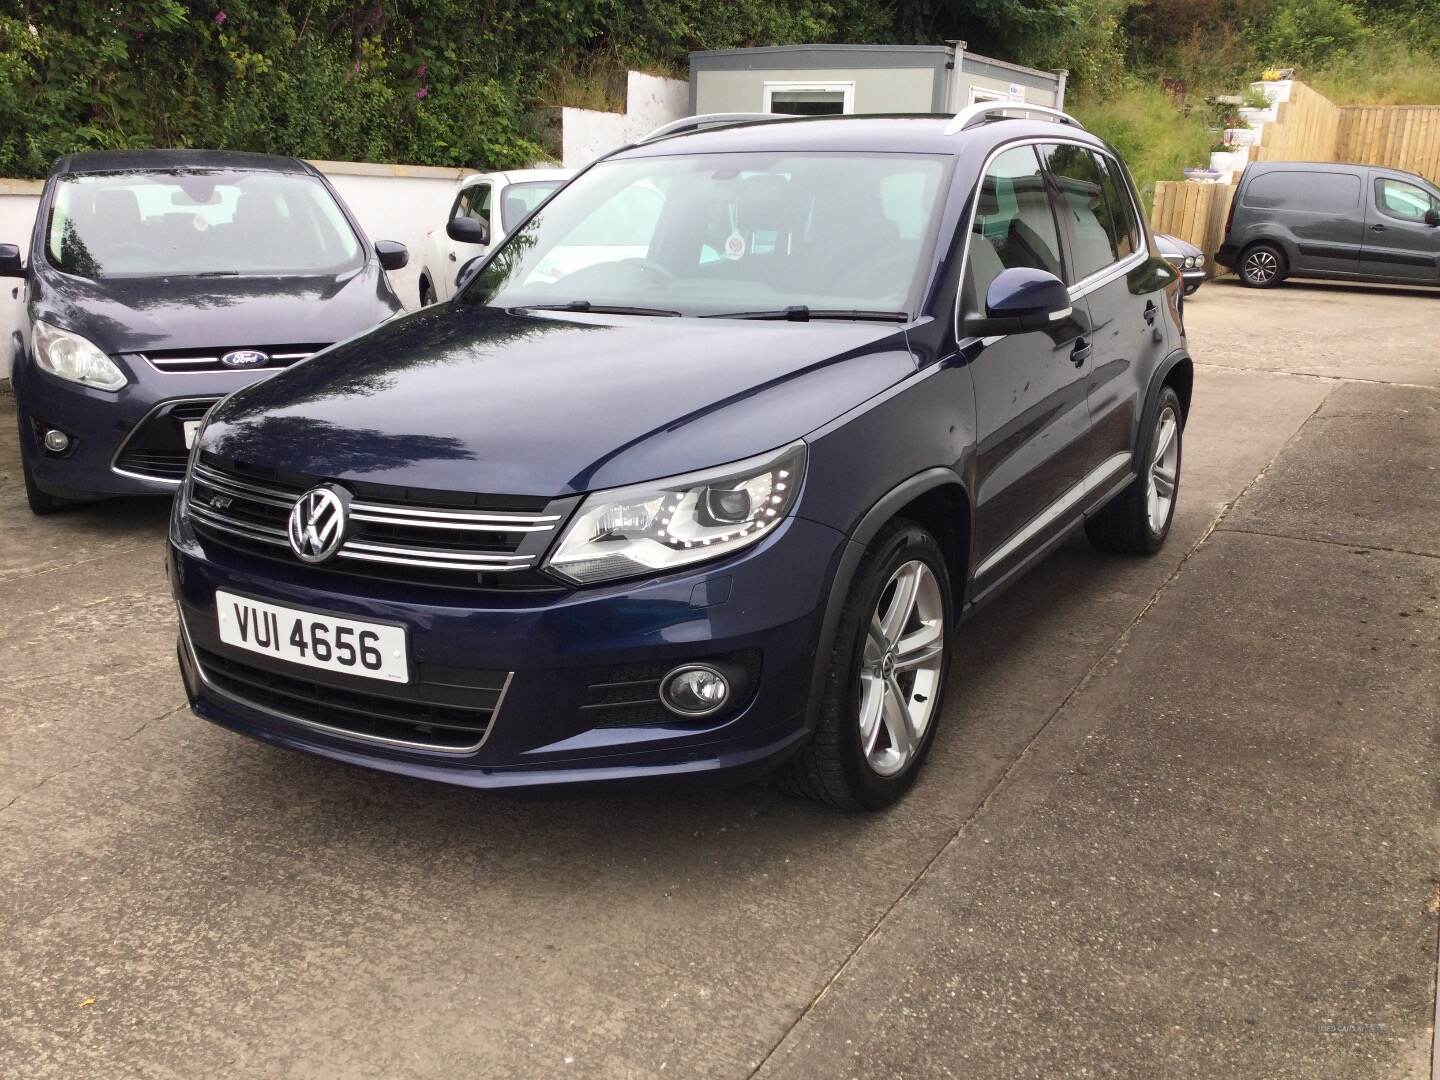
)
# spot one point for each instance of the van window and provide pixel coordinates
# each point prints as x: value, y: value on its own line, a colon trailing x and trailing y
x: 1126, y: 232
x: 1307, y: 192
x: 1403, y: 200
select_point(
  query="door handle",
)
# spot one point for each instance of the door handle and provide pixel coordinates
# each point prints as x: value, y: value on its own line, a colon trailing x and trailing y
x: 1080, y: 353
x: 1150, y: 312
x: 1377, y: 227
x: 452, y: 256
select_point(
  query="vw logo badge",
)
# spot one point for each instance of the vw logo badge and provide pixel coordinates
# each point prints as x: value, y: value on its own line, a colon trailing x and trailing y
x: 243, y: 358
x: 317, y: 523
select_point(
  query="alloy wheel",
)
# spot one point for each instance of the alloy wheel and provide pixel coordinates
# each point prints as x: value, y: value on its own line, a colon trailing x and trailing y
x: 901, y: 666
x: 1261, y: 266
x: 1164, y: 470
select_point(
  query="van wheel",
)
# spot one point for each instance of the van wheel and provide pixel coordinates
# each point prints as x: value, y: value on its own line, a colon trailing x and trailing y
x: 1262, y: 266
x: 886, y: 681
x: 40, y: 503
x: 1137, y: 521
x: 427, y: 293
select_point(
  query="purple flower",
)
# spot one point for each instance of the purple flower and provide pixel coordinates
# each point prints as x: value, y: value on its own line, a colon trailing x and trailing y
x: 220, y: 18
x: 421, y: 73
x: 422, y: 93
x: 357, y: 67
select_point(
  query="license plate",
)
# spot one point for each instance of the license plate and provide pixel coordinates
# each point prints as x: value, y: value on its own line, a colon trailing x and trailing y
x: 192, y: 428
x: 371, y: 650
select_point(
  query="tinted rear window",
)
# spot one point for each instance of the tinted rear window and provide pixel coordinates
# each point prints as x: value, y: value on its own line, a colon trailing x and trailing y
x: 1311, y: 192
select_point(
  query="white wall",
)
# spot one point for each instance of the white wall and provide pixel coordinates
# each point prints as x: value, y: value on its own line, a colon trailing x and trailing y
x: 877, y: 90
x: 392, y: 202
x: 650, y: 101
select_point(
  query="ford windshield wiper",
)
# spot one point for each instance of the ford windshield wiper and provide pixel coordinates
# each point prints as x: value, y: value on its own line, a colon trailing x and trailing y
x: 801, y: 313
x: 599, y: 309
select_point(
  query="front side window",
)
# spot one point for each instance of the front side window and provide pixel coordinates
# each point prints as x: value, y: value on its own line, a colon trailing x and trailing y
x: 475, y: 204
x: 519, y: 199
x: 1076, y: 173
x: 197, y: 222
x: 1403, y: 200
x: 725, y: 233
x: 1014, y: 225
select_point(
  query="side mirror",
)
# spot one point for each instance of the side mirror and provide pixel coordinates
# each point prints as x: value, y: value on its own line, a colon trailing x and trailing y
x: 10, y: 264
x: 468, y: 271
x: 1432, y: 217
x: 1020, y: 300
x: 393, y: 254
x: 464, y: 230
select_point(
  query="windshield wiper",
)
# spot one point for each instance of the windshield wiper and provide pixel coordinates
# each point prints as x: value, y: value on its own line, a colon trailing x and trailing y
x: 218, y: 273
x: 801, y: 313
x: 599, y: 309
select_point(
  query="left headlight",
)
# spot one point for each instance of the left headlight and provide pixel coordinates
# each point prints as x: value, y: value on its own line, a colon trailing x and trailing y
x: 70, y: 356
x: 658, y: 526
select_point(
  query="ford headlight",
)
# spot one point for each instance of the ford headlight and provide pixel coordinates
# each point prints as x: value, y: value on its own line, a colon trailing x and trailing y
x: 71, y: 357
x: 659, y: 526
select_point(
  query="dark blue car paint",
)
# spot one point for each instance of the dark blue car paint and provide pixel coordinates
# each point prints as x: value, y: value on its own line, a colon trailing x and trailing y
x: 127, y: 317
x: 564, y: 403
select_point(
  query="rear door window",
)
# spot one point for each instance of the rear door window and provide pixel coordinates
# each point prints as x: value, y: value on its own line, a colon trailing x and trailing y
x: 1125, y: 228
x: 1075, y: 172
x: 1307, y: 192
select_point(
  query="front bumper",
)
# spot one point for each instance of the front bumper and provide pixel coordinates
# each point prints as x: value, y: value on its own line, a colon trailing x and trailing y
x: 126, y: 443
x: 1192, y: 279
x: 549, y: 652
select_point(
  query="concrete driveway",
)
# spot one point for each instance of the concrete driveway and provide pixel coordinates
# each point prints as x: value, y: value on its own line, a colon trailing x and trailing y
x: 1179, y: 819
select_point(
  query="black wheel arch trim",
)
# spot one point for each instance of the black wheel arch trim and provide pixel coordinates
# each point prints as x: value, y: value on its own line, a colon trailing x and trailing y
x: 858, y: 541
x: 1157, y: 381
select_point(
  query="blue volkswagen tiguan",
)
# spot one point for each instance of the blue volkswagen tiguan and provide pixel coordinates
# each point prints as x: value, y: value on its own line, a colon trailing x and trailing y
x: 702, y: 469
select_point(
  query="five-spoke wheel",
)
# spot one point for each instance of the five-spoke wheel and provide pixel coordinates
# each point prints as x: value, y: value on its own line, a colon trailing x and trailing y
x: 899, y: 674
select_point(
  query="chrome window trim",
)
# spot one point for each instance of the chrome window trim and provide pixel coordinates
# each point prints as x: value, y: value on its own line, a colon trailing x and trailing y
x: 1052, y: 513
x: 341, y: 732
x: 129, y: 435
x: 1085, y: 285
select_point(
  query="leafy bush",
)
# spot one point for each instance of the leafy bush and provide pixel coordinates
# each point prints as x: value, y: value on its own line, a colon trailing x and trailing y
x: 1309, y: 31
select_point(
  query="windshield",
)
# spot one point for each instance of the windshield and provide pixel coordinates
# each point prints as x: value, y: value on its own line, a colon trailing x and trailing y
x: 187, y: 222
x: 520, y: 199
x: 725, y: 234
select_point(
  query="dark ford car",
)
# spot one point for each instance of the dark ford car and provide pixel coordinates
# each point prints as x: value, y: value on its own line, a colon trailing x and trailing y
x: 1360, y: 222
x: 715, y: 500
x: 159, y: 281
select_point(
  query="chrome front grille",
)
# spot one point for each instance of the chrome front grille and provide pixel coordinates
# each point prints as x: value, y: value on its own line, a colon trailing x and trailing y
x: 445, y: 545
x: 194, y: 360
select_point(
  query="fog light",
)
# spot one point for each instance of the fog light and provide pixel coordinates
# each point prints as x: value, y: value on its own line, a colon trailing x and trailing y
x: 56, y: 441
x: 695, y: 690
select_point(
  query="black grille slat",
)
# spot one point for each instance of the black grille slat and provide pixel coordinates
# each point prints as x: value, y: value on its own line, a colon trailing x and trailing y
x: 155, y: 448
x: 443, y: 727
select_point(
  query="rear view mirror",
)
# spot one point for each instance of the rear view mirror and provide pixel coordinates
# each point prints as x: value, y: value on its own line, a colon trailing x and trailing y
x: 1020, y: 300
x: 1432, y: 216
x: 10, y: 264
x: 468, y: 271
x: 393, y: 254
x: 464, y: 230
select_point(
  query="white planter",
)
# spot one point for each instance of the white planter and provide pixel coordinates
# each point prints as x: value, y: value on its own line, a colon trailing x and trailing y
x: 1256, y: 117
x: 1276, y: 91
x: 1228, y: 161
x: 1240, y: 137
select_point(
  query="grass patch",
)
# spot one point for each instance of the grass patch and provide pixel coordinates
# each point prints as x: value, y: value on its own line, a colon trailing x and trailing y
x: 1157, y: 139
x: 1382, y: 71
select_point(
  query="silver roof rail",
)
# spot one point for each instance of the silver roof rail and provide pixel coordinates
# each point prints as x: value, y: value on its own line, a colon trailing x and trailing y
x: 982, y: 110
x: 704, y: 120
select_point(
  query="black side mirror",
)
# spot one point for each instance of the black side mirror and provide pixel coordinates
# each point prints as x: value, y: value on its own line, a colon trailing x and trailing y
x: 464, y: 230
x: 10, y: 264
x: 1432, y: 217
x: 470, y: 268
x: 1020, y: 300
x: 393, y: 254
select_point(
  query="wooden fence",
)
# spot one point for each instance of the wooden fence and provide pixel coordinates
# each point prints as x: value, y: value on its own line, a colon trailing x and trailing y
x: 1400, y: 136
x: 1306, y: 128
x: 1193, y: 212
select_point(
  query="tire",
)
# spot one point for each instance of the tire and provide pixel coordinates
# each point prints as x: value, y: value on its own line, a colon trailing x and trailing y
x: 427, y: 294
x: 1263, y: 266
x: 1129, y: 524
x: 835, y: 767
